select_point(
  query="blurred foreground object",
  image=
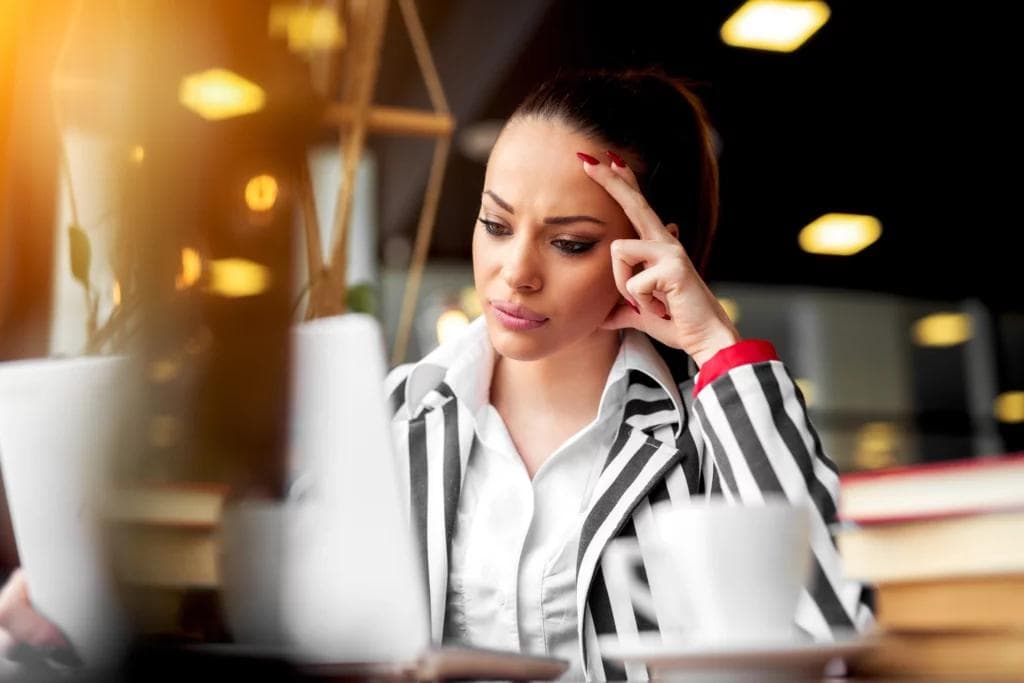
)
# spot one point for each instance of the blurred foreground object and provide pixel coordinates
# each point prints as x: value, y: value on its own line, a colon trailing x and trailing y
x: 942, y: 544
x: 194, y: 101
x: 59, y: 421
x: 165, y: 546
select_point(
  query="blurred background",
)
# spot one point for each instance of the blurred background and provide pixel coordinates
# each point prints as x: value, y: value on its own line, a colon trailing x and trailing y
x: 910, y: 349
x: 904, y: 321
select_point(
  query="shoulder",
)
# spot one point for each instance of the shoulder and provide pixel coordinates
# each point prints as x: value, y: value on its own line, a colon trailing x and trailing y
x: 394, y: 386
x: 397, y: 375
x: 686, y: 390
x: 458, y: 363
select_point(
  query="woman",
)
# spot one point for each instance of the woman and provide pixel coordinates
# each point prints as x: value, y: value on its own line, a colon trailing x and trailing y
x: 553, y: 424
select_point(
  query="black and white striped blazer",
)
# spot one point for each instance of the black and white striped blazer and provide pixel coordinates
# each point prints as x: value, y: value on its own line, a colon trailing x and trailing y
x: 744, y: 435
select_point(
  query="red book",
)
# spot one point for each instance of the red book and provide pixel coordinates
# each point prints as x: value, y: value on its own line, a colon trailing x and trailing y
x: 933, y: 490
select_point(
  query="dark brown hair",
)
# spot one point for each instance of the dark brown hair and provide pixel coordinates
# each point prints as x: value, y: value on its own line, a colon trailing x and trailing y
x: 661, y: 129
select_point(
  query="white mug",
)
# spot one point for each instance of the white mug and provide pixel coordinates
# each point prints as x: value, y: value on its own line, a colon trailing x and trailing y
x: 718, y: 572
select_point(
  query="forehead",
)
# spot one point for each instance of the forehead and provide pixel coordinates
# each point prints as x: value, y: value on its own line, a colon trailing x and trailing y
x: 534, y: 167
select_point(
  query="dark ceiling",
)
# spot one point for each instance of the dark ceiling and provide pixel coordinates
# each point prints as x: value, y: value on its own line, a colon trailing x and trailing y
x: 895, y: 109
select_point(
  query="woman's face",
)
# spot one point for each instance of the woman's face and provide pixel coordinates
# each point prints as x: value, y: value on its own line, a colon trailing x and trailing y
x: 541, y: 243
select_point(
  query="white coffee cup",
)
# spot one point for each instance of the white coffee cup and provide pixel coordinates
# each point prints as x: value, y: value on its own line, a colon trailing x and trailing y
x: 719, y: 572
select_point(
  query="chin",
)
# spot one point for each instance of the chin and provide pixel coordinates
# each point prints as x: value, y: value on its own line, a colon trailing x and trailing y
x: 528, y: 346
x: 517, y: 345
x: 518, y: 349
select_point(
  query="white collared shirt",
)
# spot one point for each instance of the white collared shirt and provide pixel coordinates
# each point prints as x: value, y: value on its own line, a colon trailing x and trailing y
x: 512, y: 567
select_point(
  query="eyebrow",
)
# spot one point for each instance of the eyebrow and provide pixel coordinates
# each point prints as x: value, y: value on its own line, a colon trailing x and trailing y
x: 550, y: 220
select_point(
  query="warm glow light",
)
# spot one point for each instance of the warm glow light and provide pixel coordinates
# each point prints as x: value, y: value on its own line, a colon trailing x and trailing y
x: 450, y: 323
x: 1009, y: 407
x: 163, y: 370
x: 261, y: 192
x: 219, y: 94
x: 876, y: 445
x: 115, y: 293
x: 942, y: 329
x: 840, y: 234
x: 808, y: 389
x: 191, y: 269
x: 470, y: 302
x: 777, y: 25
x: 732, y: 309
x: 237, y: 277
x: 307, y: 28
x: 138, y: 154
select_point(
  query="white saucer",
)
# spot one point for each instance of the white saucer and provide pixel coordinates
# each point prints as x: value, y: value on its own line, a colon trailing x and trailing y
x: 726, y: 661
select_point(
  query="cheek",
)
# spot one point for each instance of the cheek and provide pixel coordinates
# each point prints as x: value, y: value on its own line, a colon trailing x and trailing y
x: 593, y: 287
x: 481, y: 259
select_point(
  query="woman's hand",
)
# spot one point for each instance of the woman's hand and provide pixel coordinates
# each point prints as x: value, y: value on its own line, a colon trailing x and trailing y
x: 667, y: 298
x: 21, y: 625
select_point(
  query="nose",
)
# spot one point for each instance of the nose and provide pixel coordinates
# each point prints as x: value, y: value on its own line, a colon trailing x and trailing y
x: 521, y: 268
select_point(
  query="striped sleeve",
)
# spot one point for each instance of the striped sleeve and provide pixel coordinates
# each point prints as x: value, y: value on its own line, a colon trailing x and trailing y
x: 759, y: 440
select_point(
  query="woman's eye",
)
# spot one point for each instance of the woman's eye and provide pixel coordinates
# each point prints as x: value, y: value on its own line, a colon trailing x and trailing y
x: 572, y: 246
x: 493, y: 228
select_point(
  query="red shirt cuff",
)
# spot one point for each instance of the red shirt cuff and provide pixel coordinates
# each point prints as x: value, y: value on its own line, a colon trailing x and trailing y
x: 740, y: 353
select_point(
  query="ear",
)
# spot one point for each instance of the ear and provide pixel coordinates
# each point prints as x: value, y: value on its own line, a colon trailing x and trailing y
x: 674, y: 229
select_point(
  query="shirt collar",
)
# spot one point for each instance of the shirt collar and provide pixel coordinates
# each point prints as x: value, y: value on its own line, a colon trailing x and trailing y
x: 639, y: 355
x: 466, y: 363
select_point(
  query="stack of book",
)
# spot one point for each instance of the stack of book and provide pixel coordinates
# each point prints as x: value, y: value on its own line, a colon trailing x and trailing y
x: 164, y: 551
x: 943, y: 544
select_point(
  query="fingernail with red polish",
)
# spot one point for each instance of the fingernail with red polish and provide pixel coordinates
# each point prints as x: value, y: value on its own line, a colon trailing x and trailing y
x: 587, y: 158
x: 616, y: 159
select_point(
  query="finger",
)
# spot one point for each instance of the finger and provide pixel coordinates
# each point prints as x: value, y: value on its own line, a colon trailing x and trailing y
x: 649, y: 253
x: 626, y: 173
x: 644, y: 287
x: 627, y: 254
x: 622, y: 316
x: 13, y: 596
x: 623, y: 170
x: 622, y: 271
x: 29, y: 627
x: 21, y: 621
x: 633, y: 203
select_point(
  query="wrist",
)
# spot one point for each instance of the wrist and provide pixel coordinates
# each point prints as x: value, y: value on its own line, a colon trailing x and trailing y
x: 722, y: 339
x: 741, y: 353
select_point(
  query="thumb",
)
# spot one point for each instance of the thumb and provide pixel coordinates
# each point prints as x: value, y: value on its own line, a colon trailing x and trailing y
x: 621, y: 317
x: 21, y: 621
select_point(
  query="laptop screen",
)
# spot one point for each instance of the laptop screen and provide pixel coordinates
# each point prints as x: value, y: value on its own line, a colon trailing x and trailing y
x: 353, y: 587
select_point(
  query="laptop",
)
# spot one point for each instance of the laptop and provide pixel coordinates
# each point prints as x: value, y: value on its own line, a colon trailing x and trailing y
x: 339, y: 586
x: 58, y: 424
x: 353, y: 591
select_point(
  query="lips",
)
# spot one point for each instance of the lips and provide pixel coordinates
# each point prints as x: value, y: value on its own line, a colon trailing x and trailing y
x: 516, y: 317
x: 518, y: 311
